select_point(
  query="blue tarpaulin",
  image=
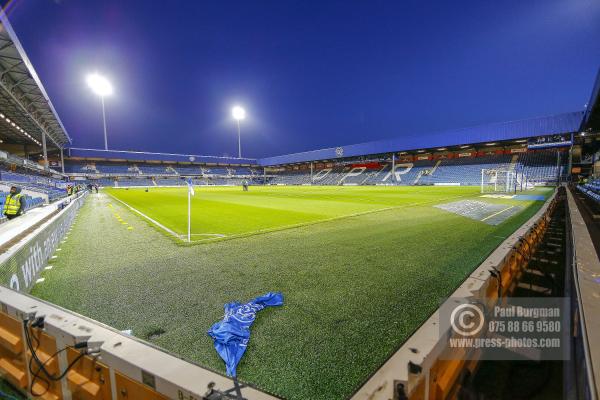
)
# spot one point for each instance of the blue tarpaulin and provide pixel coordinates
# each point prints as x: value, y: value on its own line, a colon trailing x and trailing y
x: 232, y: 334
x: 530, y: 197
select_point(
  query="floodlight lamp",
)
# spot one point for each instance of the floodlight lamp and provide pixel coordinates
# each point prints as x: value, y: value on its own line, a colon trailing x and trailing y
x: 238, y: 113
x: 99, y: 85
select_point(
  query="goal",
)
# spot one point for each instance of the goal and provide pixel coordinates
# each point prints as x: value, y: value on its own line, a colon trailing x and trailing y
x: 498, y: 181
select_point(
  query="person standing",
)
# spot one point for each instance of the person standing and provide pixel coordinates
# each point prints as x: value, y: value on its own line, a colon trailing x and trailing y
x: 14, y: 205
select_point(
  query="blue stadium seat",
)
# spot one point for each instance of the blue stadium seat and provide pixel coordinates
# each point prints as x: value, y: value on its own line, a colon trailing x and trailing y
x: 540, y: 167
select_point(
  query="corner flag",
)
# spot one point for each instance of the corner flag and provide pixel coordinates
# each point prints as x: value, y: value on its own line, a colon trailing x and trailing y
x: 190, y: 186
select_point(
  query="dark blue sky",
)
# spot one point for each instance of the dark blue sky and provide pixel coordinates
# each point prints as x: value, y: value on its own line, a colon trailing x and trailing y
x: 311, y: 74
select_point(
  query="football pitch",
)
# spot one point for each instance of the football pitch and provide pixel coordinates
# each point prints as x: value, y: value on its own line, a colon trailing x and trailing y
x: 360, y: 269
x: 226, y: 212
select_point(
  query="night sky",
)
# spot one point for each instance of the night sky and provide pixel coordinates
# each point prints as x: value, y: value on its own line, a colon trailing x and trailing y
x: 310, y: 74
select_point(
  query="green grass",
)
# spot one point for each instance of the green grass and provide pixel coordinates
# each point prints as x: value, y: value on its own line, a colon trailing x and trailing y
x: 355, y: 288
x: 231, y: 212
x: 7, y: 391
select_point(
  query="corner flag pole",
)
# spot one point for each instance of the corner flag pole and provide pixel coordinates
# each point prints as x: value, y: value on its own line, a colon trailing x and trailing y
x: 190, y: 194
x: 189, y: 216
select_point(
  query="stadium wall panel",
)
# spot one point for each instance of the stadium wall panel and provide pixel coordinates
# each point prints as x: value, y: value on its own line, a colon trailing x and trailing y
x: 21, y: 264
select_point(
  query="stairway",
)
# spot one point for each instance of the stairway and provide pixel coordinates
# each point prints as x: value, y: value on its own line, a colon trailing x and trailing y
x: 513, y: 162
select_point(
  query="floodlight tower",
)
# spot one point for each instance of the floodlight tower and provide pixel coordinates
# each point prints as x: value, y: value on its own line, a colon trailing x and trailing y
x: 102, y: 87
x: 238, y: 114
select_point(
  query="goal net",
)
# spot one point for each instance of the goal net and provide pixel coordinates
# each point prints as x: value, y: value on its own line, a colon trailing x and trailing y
x: 498, y: 181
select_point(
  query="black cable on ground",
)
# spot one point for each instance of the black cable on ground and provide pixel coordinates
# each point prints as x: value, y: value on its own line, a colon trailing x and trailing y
x: 42, y: 365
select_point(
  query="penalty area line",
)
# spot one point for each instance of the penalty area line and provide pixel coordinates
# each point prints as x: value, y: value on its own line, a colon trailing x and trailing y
x: 497, y: 213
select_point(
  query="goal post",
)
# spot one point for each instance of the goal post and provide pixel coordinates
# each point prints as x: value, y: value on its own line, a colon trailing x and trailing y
x: 498, y: 181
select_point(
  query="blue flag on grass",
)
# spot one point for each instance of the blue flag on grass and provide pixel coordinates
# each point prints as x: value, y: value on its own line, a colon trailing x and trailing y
x: 190, y: 186
x: 232, y: 334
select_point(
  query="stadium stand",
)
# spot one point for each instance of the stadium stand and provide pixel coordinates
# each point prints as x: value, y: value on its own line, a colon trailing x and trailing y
x: 540, y: 167
x: 464, y: 171
x: 30, y: 202
x: 139, y: 168
x: 84, y: 168
x: 170, y: 182
x: 411, y: 173
x: 331, y: 176
x: 100, y: 181
x: 52, y: 188
x: 225, y: 181
x: 379, y: 175
x: 131, y: 174
x: 591, y: 190
x: 191, y: 170
x: 152, y: 170
x: 118, y: 169
x: 216, y: 171
x: 291, y: 178
x: 128, y: 182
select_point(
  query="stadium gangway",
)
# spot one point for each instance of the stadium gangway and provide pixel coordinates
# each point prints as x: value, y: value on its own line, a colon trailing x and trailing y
x: 582, y: 372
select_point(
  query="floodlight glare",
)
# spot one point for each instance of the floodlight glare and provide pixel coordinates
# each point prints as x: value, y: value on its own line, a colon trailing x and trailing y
x: 238, y: 113
x: 102, y: 87
x: 99, y: 85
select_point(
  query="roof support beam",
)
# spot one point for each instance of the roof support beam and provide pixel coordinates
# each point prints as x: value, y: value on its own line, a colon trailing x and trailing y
x: 45, y: 152
x: 24, y: 109
x: 62, y: 160
x: 23, y: 90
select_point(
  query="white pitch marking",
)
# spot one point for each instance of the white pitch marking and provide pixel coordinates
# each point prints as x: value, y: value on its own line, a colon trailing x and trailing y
x: 147, y: 217
x: 497, y: 213
x: 203, y: 234
x: 303, y: 224
x: 40, y: 280
x: 268, y: 230
x: 48, y: 268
